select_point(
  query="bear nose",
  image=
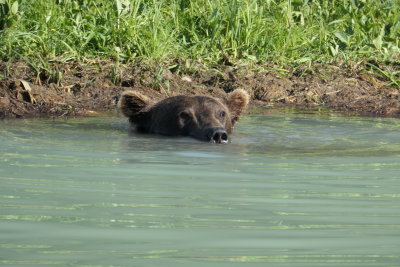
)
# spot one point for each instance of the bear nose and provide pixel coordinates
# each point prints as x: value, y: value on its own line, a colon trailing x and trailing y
x: 218, y: 135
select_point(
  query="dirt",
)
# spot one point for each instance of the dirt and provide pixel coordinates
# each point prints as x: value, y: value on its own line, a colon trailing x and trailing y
x: 72, y: 89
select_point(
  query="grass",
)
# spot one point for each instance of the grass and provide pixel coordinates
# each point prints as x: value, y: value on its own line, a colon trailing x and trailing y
x: 282, y: 32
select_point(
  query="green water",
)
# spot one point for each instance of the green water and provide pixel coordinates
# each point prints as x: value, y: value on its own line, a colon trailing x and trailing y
x: 290, y: 190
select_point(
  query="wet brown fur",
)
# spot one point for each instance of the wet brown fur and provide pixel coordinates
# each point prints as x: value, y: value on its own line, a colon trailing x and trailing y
x: 183, y: 115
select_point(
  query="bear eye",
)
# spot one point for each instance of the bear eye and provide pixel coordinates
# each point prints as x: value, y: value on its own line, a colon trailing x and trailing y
x: 185, y: 116
x: 222, y: 114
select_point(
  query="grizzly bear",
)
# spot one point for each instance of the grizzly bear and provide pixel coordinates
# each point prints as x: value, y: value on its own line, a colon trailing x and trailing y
x: 202, y: 117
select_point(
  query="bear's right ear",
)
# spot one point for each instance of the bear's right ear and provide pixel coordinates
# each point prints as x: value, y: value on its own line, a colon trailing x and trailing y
x: 237, y: 103
x: 132, y: 103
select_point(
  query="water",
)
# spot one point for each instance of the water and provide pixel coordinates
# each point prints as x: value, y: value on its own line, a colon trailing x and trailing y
x: 291, y: 189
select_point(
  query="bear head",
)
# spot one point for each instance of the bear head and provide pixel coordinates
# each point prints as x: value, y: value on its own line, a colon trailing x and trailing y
x: 202, y: 117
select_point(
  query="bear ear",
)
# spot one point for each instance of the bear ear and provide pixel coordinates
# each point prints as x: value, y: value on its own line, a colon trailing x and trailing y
x: 132, y: 103
x: 237, y: 102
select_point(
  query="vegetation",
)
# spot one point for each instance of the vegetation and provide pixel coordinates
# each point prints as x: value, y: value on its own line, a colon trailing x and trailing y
x: 283, y: 32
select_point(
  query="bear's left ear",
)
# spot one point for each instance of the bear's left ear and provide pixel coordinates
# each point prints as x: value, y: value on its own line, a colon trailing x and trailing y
x: 132, y: 103
x: 237, y: 102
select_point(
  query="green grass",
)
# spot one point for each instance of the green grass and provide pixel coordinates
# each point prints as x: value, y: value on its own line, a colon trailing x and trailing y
x: 283, y: 32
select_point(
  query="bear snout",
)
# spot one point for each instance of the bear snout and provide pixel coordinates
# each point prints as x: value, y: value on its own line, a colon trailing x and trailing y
x: 217, y: 135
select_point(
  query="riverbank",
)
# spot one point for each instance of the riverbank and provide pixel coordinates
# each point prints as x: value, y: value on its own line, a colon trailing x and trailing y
x: 85, y: 90
x: 74, y: 58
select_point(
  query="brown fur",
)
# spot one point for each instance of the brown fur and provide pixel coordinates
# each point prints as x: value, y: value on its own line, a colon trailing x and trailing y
x: 132, y: 102
x: 237, y: 103
x: 202, y: 117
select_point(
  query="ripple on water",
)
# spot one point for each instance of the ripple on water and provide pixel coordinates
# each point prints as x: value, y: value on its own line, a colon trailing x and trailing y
x: 291, y: 189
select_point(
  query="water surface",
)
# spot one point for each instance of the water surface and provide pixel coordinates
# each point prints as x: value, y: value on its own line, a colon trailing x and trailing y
x: 291, y: 189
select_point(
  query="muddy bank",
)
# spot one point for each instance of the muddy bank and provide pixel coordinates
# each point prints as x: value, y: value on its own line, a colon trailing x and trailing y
x: 83, y: 90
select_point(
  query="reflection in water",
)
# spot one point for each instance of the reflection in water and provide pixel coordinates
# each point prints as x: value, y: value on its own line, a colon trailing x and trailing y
x: 291, y: 189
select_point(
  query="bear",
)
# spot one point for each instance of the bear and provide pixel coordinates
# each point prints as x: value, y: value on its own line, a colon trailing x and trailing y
x: 204, y: 118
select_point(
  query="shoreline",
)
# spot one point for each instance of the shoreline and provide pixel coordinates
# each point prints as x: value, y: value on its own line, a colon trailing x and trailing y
x: 87, y: 90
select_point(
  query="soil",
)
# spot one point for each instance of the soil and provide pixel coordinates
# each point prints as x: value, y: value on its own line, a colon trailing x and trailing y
x: 82, y: 90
